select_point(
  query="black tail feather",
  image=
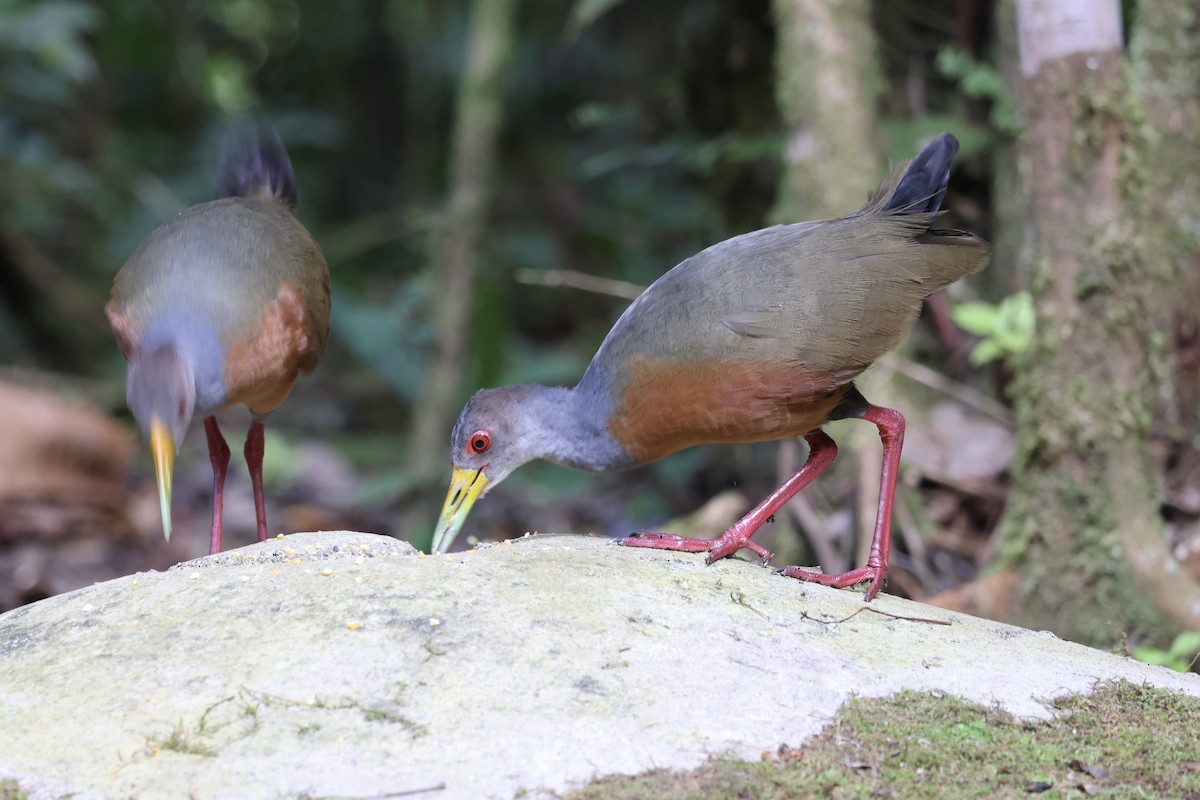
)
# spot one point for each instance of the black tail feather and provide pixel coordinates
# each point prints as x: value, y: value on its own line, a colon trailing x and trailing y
x: 923, y: 187
x: 255, y: 164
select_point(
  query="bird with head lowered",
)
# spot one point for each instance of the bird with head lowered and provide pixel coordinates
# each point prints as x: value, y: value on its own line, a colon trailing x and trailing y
x: 759, y: 337
x: 223, y: 305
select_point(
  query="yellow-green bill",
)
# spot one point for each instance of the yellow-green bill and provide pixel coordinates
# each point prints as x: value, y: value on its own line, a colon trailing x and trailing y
x: 162, y: 446
x: 465, y: 487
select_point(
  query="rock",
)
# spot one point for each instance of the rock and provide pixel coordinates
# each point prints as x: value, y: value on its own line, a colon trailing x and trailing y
x: 344, y: 664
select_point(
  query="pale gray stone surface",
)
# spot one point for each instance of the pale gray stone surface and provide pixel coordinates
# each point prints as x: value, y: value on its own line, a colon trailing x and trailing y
x: 344, y: 664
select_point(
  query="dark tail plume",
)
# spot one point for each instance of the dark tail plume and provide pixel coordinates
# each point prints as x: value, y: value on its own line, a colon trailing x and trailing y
x: 255, y: 165
x: 923, y: 186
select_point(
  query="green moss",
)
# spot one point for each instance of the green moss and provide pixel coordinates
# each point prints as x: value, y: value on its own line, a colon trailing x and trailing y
x: 180, y: 740
x: 1123, y: 741
x: 10, y: 790
x: 1080, y: 586
x: 224, y: 722
x: 388, y: 713
x: 238, y: 717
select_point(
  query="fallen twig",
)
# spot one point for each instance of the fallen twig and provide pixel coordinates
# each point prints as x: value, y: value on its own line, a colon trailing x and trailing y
x: 579, y: 280
x: 926, y: 620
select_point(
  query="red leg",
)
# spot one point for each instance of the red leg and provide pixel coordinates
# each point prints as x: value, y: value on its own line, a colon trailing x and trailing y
x: 254, y: 459
x: 821, y: 452
x: 891, y: 433
x: 218, y: 455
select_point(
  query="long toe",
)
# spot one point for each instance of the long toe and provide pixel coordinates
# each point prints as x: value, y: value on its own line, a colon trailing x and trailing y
x: 731, y: 541
x: 667, y: 541
x: 873, y: 573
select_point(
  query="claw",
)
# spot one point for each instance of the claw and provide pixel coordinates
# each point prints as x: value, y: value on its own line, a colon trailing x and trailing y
x: 874, y: 573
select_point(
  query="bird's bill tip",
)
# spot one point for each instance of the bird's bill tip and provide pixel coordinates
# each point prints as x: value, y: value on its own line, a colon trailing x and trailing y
x: 162, y: 447
x: 466, y: 485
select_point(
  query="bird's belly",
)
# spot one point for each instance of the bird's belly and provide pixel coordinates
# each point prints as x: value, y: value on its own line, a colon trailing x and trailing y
x: 665, y: 405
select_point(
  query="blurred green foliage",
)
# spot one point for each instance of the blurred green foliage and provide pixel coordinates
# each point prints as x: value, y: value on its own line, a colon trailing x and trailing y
x: 979, y: 80
x: 1181, y: 656
x: 1007, y: 327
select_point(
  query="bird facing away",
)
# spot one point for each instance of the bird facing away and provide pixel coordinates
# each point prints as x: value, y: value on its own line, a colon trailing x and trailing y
x: 757, y: 338
x: 223, y: 305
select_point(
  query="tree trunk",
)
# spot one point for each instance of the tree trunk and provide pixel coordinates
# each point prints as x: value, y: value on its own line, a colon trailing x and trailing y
x: 827, y: 79
x: 1010, y: 207
x: 1164, y: 74
x: 1083, y: 528
x: 478, y: 119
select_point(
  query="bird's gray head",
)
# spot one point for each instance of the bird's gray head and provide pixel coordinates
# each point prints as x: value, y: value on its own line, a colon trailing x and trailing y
x: 161, y: 391
x: 161, y: 387
x: 498, y: 431
x: 494, y: 434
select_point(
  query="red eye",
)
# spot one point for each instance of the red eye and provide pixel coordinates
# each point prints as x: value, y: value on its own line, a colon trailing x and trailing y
x: 479, y: 442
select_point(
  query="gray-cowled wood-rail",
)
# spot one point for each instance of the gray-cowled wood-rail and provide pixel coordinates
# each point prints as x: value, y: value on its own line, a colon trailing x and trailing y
x: 757, y: 338
x: 223, y: 305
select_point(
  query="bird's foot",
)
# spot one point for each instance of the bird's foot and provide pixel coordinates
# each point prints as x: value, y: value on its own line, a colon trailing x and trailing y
x: 875, y: 573
x: 735, y: 539
x: 728, y: 544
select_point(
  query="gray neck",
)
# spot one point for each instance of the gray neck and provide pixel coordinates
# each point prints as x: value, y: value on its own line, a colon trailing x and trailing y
x: 197, y: 342
x: 570, y: 427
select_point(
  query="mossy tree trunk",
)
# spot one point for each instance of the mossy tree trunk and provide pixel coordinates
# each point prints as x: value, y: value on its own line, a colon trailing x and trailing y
x: 1164, y: 77
x: 1083, y: 528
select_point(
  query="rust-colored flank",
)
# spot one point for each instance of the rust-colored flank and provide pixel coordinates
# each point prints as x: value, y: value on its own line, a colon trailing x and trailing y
x: 665, y: 406
x: 260, y: 372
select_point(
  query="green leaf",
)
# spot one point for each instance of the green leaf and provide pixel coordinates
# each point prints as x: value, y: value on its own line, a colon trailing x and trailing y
x: 1014, y: 323
x: 985, y: 351
x: 977, y: 318
x: 975, y: 78
x: 1185, y: 645
x: 1019, y: 308
x: 980, y: 80
x: 954, y: 62
x: 1154, y: 656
